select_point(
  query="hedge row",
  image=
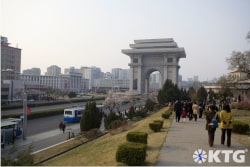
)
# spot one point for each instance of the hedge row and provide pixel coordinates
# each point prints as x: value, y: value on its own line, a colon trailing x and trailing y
x: 20, y: 105
x: 244, y: 105
x: 240, y: 127
x: 133, y: 152
x: 40, y: 114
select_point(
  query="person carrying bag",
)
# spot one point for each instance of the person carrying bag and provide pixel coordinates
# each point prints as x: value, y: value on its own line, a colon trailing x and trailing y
x: 212, y: 118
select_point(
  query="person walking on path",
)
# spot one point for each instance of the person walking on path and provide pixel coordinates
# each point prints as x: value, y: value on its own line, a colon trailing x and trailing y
x: 210, y: 115
x: 226, y: 125
x: 195, y: 108
x: 201, y: 109
x: 190, y: 110
x: 177, y: 110
x: 63, y: 127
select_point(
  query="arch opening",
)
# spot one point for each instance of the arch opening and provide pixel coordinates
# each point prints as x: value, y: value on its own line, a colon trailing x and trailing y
x: 153, y: 81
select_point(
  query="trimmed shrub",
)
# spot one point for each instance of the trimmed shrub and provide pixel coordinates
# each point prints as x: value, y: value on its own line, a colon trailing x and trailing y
x: 240, y: 127
x: 165, y: 115
x: 159, y: 121
x: 138, y: 137
x: 131, y: 153
x: 155, y: 126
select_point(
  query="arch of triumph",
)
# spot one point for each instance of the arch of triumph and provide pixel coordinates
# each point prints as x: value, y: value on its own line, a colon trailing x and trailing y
x: 150, y: 55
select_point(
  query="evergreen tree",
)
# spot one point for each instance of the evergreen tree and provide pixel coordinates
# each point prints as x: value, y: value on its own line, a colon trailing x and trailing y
x: 149, y: 104
x: 168, y: 93
x: 201, y: 94
x: 91, y: 117
x: 192, y: 94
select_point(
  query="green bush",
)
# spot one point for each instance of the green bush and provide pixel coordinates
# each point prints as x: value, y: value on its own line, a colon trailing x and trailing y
x: 131, y: 153
x: 141, y: 113
x: 138, y: 137
x: 155, y: 126
x: 159, y: 121
x: 240, y: 127
x: 165, y: 115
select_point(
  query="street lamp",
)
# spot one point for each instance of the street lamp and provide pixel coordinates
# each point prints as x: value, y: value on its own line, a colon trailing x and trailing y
x: 24, y: 111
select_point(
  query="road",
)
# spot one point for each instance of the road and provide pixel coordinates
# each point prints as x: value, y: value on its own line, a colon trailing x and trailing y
x: 44, y: 132
x: 45, y: 124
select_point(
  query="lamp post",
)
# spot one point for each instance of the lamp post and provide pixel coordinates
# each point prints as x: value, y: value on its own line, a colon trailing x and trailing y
x: 24, y: 112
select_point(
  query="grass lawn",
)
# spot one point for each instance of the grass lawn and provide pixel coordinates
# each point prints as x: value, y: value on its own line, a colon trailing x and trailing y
x: 243, y: 116
x: 102, y: 151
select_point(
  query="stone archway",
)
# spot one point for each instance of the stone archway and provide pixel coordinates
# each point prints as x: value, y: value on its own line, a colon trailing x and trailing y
x: 148, y: 55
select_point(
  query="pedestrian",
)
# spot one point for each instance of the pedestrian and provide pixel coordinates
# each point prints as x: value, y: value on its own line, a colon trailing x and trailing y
x: 195, y: 108
x: 226, y: 125
x: 201, y: 109
x: 190, y: 110
x: 184, y: 114
x: 210, y: 115
x: 63, y: 127
x: 177, y: 110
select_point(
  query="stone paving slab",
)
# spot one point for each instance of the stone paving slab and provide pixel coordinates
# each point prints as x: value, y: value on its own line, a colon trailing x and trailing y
x: 184, y: 138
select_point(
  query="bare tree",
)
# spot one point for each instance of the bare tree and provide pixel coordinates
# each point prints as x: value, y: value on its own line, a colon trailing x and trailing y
x: 239, y: 61
x: 112, y: 102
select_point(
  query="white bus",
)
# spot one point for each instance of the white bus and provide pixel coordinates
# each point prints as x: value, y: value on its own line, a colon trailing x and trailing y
x: 73, y: 114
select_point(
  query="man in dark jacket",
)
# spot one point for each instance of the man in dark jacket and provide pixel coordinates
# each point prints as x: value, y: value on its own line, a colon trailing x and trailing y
x: 177, y: 110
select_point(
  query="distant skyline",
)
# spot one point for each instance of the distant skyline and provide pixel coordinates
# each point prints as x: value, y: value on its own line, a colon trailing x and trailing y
x: 80, y: 33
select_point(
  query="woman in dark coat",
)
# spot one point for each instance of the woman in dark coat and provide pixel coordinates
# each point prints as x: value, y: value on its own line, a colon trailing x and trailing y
x: 211, y: 114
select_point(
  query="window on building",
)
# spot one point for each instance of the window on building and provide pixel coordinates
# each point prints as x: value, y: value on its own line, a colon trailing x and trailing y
x: 135, y: 60
x: 170, y: 60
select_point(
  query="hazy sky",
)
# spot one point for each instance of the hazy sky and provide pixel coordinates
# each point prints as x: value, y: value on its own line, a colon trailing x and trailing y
x: 93, y: 32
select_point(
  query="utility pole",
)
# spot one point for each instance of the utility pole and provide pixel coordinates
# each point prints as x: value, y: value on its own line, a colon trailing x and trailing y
x: 24, y: 114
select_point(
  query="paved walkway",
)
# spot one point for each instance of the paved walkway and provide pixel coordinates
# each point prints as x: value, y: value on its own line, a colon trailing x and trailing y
x: 184, y: 138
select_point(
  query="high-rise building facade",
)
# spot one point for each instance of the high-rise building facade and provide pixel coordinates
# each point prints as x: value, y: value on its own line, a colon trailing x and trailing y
x: 10, y: 61
x: 118, y: 73
x: 53, y: 70
x: 32, y: 71
x: 91, y: 73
